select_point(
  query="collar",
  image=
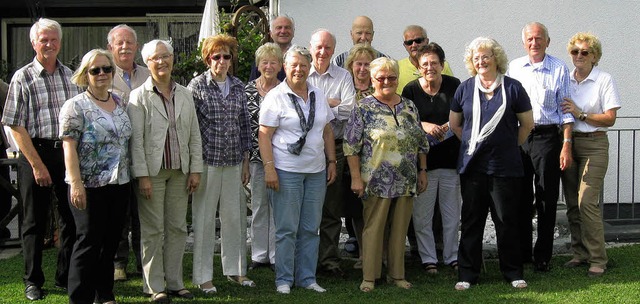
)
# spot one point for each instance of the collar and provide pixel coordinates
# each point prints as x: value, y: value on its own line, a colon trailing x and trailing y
x: 286, y: 89
x: 120, y: 71
x: 40, y: 68
x: 593, y: 76
x: 546, y: 62
x: 232, y: 81
x: 331, y: 70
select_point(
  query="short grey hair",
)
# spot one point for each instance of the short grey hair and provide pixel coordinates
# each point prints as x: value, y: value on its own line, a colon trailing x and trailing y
x: 414, y: 27
x: 150, y: 47
x: 118, y: 27
x: 532, y: 24
x: 300, y: 50
x: 44, y: 24
x: 313, y: 36
x: 293, y: 23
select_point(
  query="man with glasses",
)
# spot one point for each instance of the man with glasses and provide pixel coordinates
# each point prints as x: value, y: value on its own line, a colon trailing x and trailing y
x: 547, y: 150
x: 414, y: 36
x: 361, y: 32
x: 36, y: 94
x: 123, y: 45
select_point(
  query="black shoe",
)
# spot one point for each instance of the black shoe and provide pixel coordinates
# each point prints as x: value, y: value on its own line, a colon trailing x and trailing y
x: 255, y: 265
x: 60, y: 286
x: 34, y: 293
x: 542, y: 267
x: 335, y: 271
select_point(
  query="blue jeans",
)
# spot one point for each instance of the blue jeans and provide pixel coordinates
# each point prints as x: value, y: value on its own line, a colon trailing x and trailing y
x: 297, y: 211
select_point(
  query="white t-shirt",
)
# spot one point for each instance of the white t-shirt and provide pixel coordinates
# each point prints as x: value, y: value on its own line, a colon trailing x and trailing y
x: 278, y: 111
x: 596, y: 94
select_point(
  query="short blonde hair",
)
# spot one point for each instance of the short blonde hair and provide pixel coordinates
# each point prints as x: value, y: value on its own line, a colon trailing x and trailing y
x: 594, y: 44
x: 80, y: 77
x: 218, y: 43
x: 357, y: 51
x: 268, y: 49
x: 484, y: 43
x: 383, y: 63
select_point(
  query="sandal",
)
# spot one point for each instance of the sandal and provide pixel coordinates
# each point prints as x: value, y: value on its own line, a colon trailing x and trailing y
x: 462, y: 285
x: 430, y: 268
x: 160, y: 297
x: 208, y: 290
x: 402, y: 283
x: 454, y: 265
x: 181, y: 293
x: 519, y: 284
x: 595, y: 271
x: 367, y: 286
x: 241, y: 280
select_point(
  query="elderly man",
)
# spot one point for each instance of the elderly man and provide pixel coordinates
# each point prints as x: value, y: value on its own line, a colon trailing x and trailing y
x: 414, y: 36
x: 547, y: 150
x: 337, y: 85
x: 361, y: 32
x: 36, y: 94
x: 123, y: 44
x: 281, y: 30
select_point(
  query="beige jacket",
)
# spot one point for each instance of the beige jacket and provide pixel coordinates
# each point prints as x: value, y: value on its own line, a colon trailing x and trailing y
x: 150, y: 123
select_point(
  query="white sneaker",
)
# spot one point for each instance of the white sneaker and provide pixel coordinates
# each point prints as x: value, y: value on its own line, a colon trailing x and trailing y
x: 283, y: 289
x: 315, y: 287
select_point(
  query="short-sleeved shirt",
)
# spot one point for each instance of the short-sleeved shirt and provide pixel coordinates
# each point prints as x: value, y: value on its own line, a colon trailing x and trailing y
x: 409, y: 72
x: 103, y: 140
x: 36, y: 97
x: 278, y: 111
x: 595, y: 94
x: 498, y: 155
x: 435, y: 109
x: 388, y: 143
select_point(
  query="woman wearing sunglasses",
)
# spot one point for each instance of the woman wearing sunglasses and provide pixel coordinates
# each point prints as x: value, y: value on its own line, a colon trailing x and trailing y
x: 221, y: 105
x: 167, y: 161
x: 95, y: 130
x: 594, y: 103
x: 386, y: 149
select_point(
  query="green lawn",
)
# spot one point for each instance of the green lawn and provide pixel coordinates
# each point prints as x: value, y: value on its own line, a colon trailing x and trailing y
x: 621, y: 284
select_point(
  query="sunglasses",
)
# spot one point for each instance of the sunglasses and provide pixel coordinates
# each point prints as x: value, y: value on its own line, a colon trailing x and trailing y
x: 417, y: 41
x: 105, y: 69
x: 389, y: 78
x: 217, y: 57
x: 581, y: 52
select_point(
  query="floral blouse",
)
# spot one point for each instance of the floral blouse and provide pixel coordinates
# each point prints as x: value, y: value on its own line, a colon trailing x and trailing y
x: 388, y: 145
x: 103, y: 140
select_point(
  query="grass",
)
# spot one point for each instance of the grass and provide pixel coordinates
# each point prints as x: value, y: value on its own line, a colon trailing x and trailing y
x: 621, y: 284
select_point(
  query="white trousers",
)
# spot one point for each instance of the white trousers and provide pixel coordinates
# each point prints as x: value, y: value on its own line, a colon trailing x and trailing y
x: 445, y: 185
x: 263, y: 230
x: 219, y: 186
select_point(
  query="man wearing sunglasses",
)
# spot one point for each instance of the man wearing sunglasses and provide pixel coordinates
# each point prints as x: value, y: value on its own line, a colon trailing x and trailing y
x: 547, y: 150
x: 414, y: 37
x: 361, y: 32
x: 36, y: 94
x: 123, y: 45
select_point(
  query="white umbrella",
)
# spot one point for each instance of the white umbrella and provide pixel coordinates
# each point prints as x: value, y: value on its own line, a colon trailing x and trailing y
x: 209, y: 24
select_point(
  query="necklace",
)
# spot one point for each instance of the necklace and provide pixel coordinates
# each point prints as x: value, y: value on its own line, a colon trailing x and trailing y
x: 260, y: 85
x: 98, y: 99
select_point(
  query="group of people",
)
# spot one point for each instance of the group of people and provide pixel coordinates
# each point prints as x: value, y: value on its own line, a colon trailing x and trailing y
x: 361, y: 136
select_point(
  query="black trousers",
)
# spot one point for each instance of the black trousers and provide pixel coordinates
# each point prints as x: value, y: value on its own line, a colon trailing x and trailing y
x: 132, y: 223
x: 98, y: 229
x: 540, y: 190
x: 481, y: 193
x: 36, y: 203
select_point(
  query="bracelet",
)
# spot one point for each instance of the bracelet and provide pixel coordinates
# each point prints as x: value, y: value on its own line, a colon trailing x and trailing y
x: 332, y: 161
x: 268, y: 163
x: 567, y: 140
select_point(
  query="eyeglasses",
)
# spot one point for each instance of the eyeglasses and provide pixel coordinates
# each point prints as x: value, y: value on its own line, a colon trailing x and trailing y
x: 217, y: 57
x: 161, y: 58
x: 105, y: 69
x: 581, y: 52
x: 382, y: 79
x: 482, y: 58
x: 417, y: 41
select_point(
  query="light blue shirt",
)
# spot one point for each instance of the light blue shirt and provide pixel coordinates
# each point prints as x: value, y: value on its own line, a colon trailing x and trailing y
x: 546, y: 84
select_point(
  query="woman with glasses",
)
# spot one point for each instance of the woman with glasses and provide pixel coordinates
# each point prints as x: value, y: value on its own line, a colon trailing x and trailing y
x: 221, y: 105
x: 432, y: 94
x: 491, y: 115
x: 298, y: 155
x: 594, y: 103
x: 95, y: 130
x: 167, y: 161
x: 386, y: 149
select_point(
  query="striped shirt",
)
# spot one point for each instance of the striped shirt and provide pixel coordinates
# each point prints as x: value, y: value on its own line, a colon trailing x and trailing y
x: 171, y: 155
x: 36, y: 97
x: 224, y: 121
x: 546, y: 84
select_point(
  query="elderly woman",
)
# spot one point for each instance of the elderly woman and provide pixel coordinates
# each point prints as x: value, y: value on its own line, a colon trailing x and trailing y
x: 594, y: 105
x: 95, y: 130
x: 432, y: 93
x: 357, y: 63
x: 386, y: 149
x: 491, y: 115
x: 263, y: 236
x: 298, y: 156
x: 221, y: 105
x: 167, y: 160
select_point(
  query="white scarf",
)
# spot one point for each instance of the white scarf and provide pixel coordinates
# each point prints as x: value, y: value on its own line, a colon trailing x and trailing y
x: 478, y: 135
